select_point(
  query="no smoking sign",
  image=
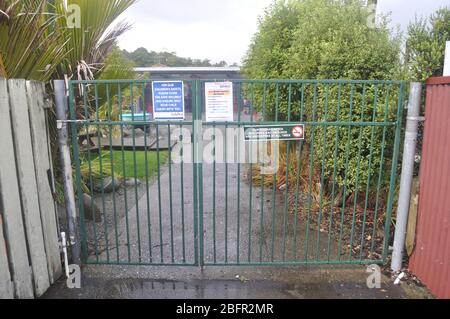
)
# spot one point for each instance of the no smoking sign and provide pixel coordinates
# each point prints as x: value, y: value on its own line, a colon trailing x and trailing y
x: 297, y: 131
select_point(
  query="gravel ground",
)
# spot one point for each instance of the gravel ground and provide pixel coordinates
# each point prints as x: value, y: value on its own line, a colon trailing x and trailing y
x: 97, y: 230
x: 121, y: 201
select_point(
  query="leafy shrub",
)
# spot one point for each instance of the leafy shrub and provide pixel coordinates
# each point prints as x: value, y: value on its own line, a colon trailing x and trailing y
x: 330, y: 39
x: 425, y: 46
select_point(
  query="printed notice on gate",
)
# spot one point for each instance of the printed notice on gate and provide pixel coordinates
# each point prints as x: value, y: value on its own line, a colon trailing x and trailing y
x: 277, y: 132
x: 168, y: 100
x: 219, y: 101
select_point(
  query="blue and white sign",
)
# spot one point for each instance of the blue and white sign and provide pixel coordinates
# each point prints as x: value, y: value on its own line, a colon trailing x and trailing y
x: 168, y: 100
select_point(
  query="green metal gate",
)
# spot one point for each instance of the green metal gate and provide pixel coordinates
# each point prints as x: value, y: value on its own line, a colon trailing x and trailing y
x: 329, y: 202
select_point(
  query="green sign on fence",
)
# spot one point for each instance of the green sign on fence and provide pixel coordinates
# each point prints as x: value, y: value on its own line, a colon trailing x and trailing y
x: 281, y: 132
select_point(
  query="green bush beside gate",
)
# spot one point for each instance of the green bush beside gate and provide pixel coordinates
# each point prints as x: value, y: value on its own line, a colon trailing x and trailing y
x: 325, y: 39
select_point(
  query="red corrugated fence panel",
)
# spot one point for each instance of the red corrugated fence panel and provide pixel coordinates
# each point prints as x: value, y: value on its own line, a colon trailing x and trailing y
x: 431, y: 258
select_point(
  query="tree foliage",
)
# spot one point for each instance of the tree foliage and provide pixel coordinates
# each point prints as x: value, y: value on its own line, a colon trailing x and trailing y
x: 36, y: 42
x: 116, y: 67
x: 88, y: 46
x: 425, y: 46
x: 143, y: 58
x: 29, y: 48
x: 322, y: 39
x: 330, y: 39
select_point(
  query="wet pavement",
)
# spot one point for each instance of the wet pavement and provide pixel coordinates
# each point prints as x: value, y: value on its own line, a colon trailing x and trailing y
x: 140, y: 282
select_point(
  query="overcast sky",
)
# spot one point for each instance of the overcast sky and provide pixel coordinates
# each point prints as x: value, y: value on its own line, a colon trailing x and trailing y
x: 222, y: 29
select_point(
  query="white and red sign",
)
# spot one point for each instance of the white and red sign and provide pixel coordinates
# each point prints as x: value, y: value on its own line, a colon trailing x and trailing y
x: 219, y: 101
x: 280, y: 132
x: 297, y: 131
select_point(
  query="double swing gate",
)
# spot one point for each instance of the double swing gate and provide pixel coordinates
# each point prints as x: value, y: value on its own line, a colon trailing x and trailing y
x: 194, y: 193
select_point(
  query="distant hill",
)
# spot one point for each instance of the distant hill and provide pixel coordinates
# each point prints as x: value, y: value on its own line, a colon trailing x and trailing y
x: 143, y: 58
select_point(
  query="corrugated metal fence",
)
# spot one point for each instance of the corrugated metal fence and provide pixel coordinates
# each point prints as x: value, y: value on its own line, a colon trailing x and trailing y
x: 29, y: 253
x: 431, y: 258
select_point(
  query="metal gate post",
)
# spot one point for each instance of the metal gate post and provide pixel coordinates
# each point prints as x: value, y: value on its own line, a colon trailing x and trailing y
x: 407, y: 174
x: 65, y: 162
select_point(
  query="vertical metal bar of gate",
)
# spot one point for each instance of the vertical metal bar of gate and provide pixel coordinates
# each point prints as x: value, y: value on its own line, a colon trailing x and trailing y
x: 198, y: 161
x: 197, y: 238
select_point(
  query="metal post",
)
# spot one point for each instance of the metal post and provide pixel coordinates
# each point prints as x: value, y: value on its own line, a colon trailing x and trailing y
x: 447, y: 59
x: 409, y: 150
x: 65, y: 162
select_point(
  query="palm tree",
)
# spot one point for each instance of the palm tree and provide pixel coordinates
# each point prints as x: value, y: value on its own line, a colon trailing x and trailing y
x: 35, y: 42
x: 89, y: 45
x: 29, y: 48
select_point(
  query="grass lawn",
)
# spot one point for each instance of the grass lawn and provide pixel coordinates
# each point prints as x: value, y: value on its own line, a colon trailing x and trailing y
x: 128, y: 157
